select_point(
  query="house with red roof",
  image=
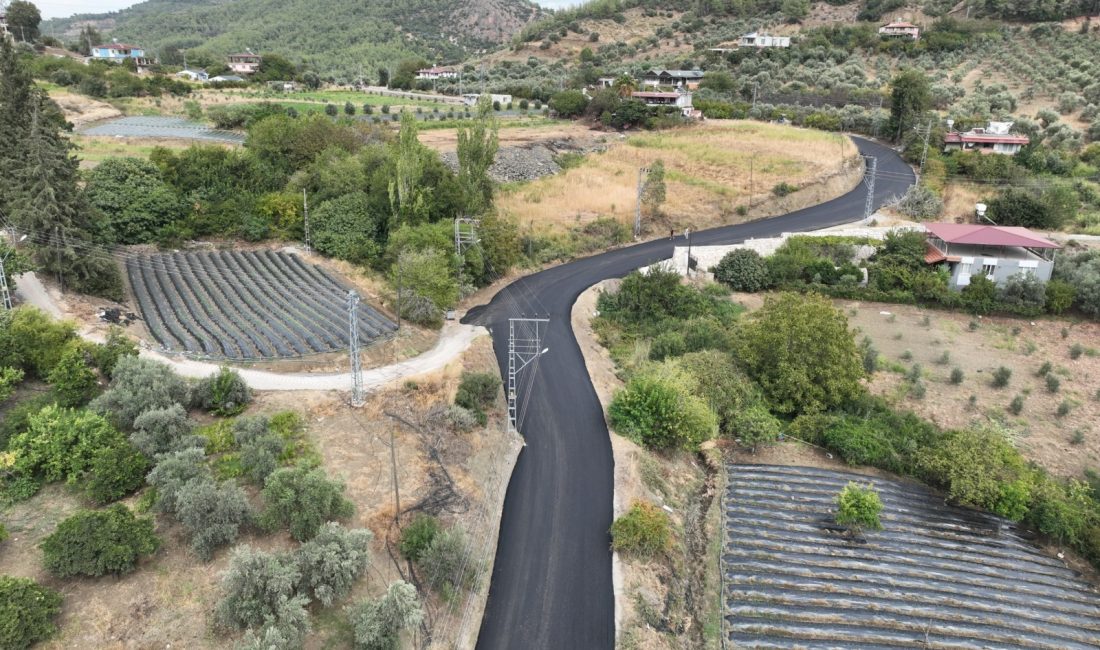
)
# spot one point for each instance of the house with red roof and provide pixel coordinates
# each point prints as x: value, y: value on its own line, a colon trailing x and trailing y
x: 244, y: 63
x: 436, y: 72
x: 996, y: 137
x: 119, y: 52
x: 997, y: 252
x: 899, y: 29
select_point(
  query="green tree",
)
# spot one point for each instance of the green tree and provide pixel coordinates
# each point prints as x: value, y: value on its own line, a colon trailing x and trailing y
x: 477, y: 149
x: 794, y: 10
x: 274, y: 67
x: 116, y: 471
x: 742, y: 270
x: 644, y: 531
x: 405, y: 75
x: 755, y: 426
x: 98, y: 542
x: 799, y: 349
x: 719, y: 81
x: 213, y: 514
x: 139, y: 385
x: 60, y: 443
x: 378, y: 624
x: 858, y: 507
x: 332, y: 561
x: 418, y: 536
x: 1082, y: 273
x: 1020, y: 207
x: 223, y: 393
x: 660, y: 410
x: 427, y: 285
x: 133, y: 200
x: 23, y: 20
x: 569, y: 103
x: 910, y: 98
x: 981, y: 468
x: 259, y: 589
x: 74, y: 382
x: 980, y: 296
x: 27, y: 612
x: 303, y: 499
x: 408, y: 198
x: 348, y: 228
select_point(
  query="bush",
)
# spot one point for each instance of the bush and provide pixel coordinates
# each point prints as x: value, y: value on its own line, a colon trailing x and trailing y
x: 1076, y: 350
x: 116, y: 471
x: 418, y: 536
x: 1082, y: 273
x: 980, y: 468
x: 1001, y: 377
x: 163, y: 430
x: 956, y: 376
x: 920, y: 202
x: 1053, y: 383
x: 446, y: 564
x: 260, y: 456
x: 27, y: 612
x: 97, y: 542
x: 73, y: 380
x: 174, y: 470
x: 661, y: 411
x: 783, y: 189
x: 139, y: 385
x: 259, y: 590
x: 1016, y: 406
x: 477, y: 391
x: 1023, y: 293
x: 212, y: 514
x: 60, y: 444
x: 116, y: 346
x: 858, y: 507
x: 645, y: 531
x: 378, y: 624
x: 742, y: 270
x: 980, y: 296
x: 755, y: 425
x: 33, y: 341
x: 332, y: 561
x: 1059, y: 296
x: 303, y: 499
x: 223, y: 393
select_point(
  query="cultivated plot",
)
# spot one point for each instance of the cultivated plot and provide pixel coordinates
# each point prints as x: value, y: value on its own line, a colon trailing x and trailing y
x: 162, y: 127
x: 246, y: 305
x: 936, y: 576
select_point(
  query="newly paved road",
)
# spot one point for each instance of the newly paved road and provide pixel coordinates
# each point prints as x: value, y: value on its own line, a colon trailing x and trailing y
x: 551, y: 584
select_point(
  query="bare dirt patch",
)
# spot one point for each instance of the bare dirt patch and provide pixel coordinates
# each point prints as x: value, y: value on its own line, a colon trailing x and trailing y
x: 940, y: 341
x: 447, y: 139
x: 82, y: 110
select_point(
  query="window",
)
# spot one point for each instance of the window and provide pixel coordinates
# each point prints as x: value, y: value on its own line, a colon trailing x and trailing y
x: 988, y: 269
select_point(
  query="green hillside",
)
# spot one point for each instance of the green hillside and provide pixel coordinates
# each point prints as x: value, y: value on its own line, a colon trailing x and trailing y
x: 335, y: 37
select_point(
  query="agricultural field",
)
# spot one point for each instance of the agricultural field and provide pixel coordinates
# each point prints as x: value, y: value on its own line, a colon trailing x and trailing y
x: 1051, y: 398
x: 707, y: 175
x: 246, y: 305
x: 162, y: 127
x: 935, y: 576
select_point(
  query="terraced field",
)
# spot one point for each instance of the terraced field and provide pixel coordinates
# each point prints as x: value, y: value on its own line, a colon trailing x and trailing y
x: 936, y: 576
x: 246, y: 305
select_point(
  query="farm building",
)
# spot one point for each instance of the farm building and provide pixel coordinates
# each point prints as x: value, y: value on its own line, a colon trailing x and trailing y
x: 434, y: 73
x: 900, y: 29
x: 679, y: 99
x: 226, y: 78
x: 470, y: 99
x: 193, y: 75
x: 753, y: 39
x: 247, y: 63
x: 996, y: 137
x: 997, y: 252
x: 673, y: 78
x: 119, y: 52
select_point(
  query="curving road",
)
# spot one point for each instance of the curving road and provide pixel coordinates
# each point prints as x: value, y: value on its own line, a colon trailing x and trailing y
x: 551, y: 585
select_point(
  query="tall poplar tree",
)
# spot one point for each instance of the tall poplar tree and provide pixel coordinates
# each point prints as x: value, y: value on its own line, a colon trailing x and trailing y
x: 477, y: 149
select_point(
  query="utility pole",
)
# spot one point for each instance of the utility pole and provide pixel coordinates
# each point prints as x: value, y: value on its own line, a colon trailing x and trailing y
x: 5, y: 293
x: 522, y: 350
x: 398, y: 297
x: 752, y: 160
x: 305, y: 220
x: 353, y: 350
x: 877, y: 113
x: 643, y: 173
x: 393, y: 476
x: 869, y: 181
x: 465, y: 237
x: 754, y: 89
x: 57, y: 254
x: 687, y: 266
x: 924, y: 153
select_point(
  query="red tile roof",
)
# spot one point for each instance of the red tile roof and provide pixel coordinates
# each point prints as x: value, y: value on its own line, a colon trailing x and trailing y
x: 981, y: 235
x: 932, y: 255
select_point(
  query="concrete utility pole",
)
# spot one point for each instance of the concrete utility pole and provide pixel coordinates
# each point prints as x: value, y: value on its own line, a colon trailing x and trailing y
x: 523, y: 348
x: 752, y: 161
x: 643, y: 173
x: 305, y: 220
x: 927, y: 132
x: 869, y: 181
x: 465, y: 237
x: 353, y: 350
x: 877, y: 113
x: 5, y: 291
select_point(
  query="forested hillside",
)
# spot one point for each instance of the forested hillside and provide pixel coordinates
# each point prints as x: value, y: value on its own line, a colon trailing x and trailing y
x: 335, y: 37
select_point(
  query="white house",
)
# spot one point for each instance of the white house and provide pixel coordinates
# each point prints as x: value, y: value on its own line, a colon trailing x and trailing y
x: 226, y: 78
x: 246, y: 63
x: 754, y: 39
x: 900, y: 29
x: 605, y: 82
x: 673, y: 78
x: 470, y: 99
x: 119, y: 52
x: 431, y: 74
x: 679, y: 99
x: 995, y: 137
x: 193, y: 75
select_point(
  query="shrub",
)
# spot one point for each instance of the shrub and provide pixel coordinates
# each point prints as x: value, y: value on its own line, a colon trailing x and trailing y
x: 1076, y: 350
x: 418, y: 536
x: 173, y: 471
x: 212, y: 514
x: 163, y: 430
x: 1082, y: 272
x: 755, y: 425
x: 920, y: 202
x: 1001, y: 377
x: 477, y: 391
x: 116, y: 471
x: 1016, y: 406
x: 1023, y: 293
x: 957, y: 376
x: 742, y: 270
x: 378, y: 624
x: 446, y: 564
x: 139, y: 385
x: 1053, y: 383
x: 1063, y: 511
x: 645, y: 531
x: 97, y: 542
x: 661, y: 411
x: 303, y: 499
x: 858, y: 507
x: 259, y: 590
x: 27, y: 611
x: 667, y: 344
x: 783, y: 189
x: 980, y: 296
x: 332, y: 561
x: 460, y: 418
x: 223, y: 393
x: 73, y: 380
x: 1044, y: 369
x: 726, y: 390
x: 116, y: 346
x: 260, y: 456
x: 1063, y: 409
x: 980, y: 468
x: 1059, y: 296
x: 60, y: 444
x: 33, y: 341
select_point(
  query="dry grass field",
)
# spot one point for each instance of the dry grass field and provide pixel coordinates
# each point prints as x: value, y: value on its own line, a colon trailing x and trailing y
x: 707, y: 174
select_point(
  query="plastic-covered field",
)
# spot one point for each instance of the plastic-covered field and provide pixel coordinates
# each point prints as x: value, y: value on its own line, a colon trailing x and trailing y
x: 936, y: 576
x: 246, y: 305
x: 162, y: 127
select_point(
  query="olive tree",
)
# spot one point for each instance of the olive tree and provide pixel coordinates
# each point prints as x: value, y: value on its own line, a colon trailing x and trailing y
x: 139, y: 385
x: 378, y: 624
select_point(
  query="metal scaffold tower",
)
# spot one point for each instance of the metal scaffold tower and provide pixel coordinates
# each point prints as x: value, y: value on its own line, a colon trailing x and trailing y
x: 465, y: 234
x: 5, y: 293
x: 869, y: 181
x: 525, y: 337
x: 353, y: 350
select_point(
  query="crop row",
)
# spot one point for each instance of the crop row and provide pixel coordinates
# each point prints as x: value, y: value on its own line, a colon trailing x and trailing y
x: 246, y: 305
x: 935, y: 576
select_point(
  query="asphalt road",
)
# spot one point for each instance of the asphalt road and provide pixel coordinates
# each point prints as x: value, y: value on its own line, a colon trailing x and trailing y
x: 551, y: 585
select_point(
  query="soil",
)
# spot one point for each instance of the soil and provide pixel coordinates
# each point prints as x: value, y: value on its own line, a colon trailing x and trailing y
x: 167, y: 602
x: 81, y: 110
x: 447, y: 139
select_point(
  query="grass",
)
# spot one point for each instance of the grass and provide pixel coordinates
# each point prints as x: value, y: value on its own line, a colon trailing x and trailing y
x: 93, y: 150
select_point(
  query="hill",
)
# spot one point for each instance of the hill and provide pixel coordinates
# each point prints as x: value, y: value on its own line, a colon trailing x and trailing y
x: 336, y: 37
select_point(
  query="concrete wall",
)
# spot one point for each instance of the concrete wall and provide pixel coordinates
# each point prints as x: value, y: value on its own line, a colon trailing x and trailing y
x: 1005, y: 268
